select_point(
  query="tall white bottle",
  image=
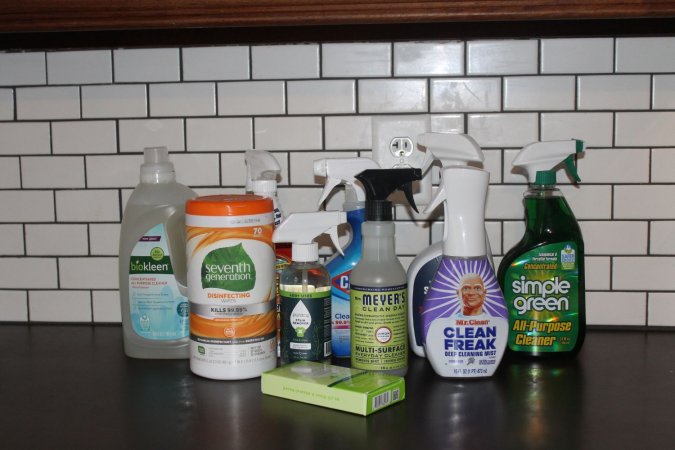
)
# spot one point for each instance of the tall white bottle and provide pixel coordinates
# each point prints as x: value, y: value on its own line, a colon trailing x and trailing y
x: 152, y: 263
x: 450, y: 149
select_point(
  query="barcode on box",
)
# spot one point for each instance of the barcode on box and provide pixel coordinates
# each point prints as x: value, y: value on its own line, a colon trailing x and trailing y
x: 327, y: 349
x: 395, y: 395
x: 382, y: 400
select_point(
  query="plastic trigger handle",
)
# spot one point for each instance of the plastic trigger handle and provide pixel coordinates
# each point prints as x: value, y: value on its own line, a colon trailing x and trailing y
x: 333, y: 233
x: 331, y: 183
x: 569, y: 164
x: 437, y: 200
x: 407, y: 190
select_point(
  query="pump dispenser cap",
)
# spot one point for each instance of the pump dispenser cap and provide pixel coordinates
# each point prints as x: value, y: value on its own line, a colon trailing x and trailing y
x: 156, y: 165
x: 379, y: 184
x: 464, y: 189
x: 300, y: 229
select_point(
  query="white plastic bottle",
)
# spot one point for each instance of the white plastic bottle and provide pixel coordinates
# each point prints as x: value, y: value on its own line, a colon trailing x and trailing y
x: 152, y: 264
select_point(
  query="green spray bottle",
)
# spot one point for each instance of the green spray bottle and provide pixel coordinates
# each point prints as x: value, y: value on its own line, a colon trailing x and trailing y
x: 543, y: 277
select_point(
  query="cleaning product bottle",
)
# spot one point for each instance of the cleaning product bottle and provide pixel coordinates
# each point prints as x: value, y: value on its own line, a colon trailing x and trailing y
x: 305, y: 287
x: 343, y: 171
x: 543, y: 275
x: 464, y: 317
x: 262, y: 170
x: 378, y: 289
x: 152, y: 265
x: 451, y: 149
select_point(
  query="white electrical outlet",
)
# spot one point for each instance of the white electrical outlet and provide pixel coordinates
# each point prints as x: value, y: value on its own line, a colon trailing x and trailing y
x: 395, y: 145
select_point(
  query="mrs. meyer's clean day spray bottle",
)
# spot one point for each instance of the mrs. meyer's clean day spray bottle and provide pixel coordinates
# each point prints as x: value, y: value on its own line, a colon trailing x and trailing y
x: 378, y: 284
x: 152, y: 263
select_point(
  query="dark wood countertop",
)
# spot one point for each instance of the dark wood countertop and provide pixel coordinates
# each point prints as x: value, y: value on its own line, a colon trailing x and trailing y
x: 72, y: 387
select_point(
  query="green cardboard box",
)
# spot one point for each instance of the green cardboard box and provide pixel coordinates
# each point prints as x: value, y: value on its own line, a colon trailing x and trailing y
x: 352, y: 390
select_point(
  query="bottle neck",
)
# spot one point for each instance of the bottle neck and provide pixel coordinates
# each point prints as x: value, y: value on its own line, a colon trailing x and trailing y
x: 157, y: 177
x: 378, y: 241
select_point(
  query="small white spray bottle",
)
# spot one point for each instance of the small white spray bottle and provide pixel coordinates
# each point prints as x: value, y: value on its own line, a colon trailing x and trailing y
x: 464, y: 317
x: 339, y: 171
x: 450, y: 149
x: 304, y: 287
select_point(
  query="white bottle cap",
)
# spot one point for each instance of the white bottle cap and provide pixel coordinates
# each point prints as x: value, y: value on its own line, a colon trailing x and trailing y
x: 266, y: 188
x: 157, y: 167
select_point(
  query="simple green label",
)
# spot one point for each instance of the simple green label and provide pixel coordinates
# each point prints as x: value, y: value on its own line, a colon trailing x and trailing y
x: 379, y: 327
x: 228, y: 268
x: 541, y: 289
x: 305, y: 326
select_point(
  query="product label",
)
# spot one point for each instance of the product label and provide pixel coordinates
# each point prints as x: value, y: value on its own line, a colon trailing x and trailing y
x: 464, y: 319
x: 305, y: 330
x: 158, y: 310
x: 420, y: 288
x: 541, y: 288
x: 379, y: 327
x: 340, y: 314
x: 231, y: 283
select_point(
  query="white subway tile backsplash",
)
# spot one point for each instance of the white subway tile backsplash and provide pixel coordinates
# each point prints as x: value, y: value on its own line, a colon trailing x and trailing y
x: 216, y: 63
x: 589, y: 201
x: 645, y: 54
x: 88, y: 273
x: 52, y: 171
x: 662, y: 238
x: 10, y: 173
x: 104, y: 239
x: 356, y: 60
x: 577, y: 55
x: 663, y: 160
x: 11, y: 240
x: 106, y: 306
x: 37, y: 103
x: 613, y: 165
x: 60, y: 306
x: 393, y: 96
x: 251, y: 98
x: 645, y: 129
x: 6, y: 104
x: 598, y: 273
x: 643, y: 273
x: 13, y: 306
x: 504, y: 130
x: 113, y: 171
x: 22, y: 69
x: 512, y: 234
x: 232, y: 170
x: 288, y: 133
x: 663, y: 92
x: 447, y: 123
x: 411, y: 237
x: 609, y: 238
x: 502, y: 57
x: 466, y: 94
x: 595, y: 129
x: 31, y: 273
x: 299, y: 199
x: 302, y: 166
x: 56, y: 239
x: 285, y: 61
x: 24, y: 138
x: 538, y: 93
x: 79, y: 67
x: 206, y: 135
x: 157, y: 64
x: 493, y: 164
x: 86, y: 137
x: 614, y: 92
x: 321, y: 97
x: 26, y: 206
x: 182, y: 99
x: 87, y: 206
x: 505, y: 202
x: 348, y: 132
x: 644, y: 202
x: 616, y: 308
x: 135, y: 135
x: 113, y: 101
x: 661, y: 310
x: 195, y: 169
x: 428, y: 58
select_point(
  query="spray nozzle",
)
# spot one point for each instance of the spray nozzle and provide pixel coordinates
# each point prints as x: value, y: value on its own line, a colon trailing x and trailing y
x: 451, y: 149
x: 541, y: 159
x: 300, y: 229
x: 379, y: 184
x: 343, y: 171
x: 261, y: 166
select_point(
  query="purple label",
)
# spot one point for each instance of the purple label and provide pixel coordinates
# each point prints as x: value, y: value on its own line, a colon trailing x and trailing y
x: 150, y: 239
x: 463, y: 287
